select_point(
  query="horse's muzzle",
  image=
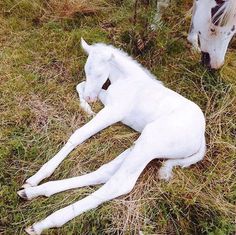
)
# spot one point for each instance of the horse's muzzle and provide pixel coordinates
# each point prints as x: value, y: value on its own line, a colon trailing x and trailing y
x: 206, y: 59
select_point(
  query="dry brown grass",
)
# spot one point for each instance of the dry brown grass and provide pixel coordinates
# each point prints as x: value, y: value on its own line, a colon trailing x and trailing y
x: 70, y: 8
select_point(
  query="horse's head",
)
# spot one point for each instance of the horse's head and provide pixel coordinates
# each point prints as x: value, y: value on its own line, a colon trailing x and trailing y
x: 97, y: 70
x: 215, y: 23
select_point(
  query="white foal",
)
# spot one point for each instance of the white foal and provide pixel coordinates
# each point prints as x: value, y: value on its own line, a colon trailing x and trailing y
x: 213, y: 26
x: 172, y: 127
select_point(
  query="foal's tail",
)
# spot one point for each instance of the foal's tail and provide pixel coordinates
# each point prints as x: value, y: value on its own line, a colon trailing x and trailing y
x: 166, y: 170
x: 198, y: 156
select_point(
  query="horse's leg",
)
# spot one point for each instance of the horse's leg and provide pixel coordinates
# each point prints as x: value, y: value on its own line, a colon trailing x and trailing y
x: 193, y: 34
x: 101, y: 175
x: 165, y: 171
x: 120, y: 183
x: 83, y: 103
x: 103, y: 119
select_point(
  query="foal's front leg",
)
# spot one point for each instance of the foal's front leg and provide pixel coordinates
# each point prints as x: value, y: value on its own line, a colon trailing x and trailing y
x: 105, y: 118
x: 121, y: 182
x: 83, y: 103
x: 100, y: 176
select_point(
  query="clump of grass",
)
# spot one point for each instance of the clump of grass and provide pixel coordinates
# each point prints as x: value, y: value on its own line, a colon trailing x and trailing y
x: 69, y: 8
x: 42, y: 62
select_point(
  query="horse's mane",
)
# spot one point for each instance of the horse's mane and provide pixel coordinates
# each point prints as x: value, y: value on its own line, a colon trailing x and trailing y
x: 125, y: 56
x: 226, y: 14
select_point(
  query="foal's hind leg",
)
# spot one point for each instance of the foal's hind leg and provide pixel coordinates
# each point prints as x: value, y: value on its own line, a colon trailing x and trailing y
x: 165, y: 172
x: 101, y: 175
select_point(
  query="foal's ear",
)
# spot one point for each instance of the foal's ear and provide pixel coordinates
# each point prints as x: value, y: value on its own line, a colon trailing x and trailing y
x: 85, y: 46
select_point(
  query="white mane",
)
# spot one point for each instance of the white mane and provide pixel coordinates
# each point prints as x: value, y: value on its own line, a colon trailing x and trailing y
x: 226, y: 14
x: 126, y: 60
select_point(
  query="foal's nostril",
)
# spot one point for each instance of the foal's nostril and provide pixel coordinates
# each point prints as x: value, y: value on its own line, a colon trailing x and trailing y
x: 206, y: 59
x: 88, y: 99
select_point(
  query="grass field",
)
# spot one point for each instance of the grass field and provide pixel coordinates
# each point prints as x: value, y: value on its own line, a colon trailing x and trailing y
x: 41, y: 62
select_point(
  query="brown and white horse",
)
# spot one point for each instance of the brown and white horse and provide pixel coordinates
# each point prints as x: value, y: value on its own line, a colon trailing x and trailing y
x: 212, y: 28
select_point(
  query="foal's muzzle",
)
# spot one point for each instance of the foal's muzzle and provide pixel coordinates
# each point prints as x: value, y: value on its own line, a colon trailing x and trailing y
x: 90, y: 99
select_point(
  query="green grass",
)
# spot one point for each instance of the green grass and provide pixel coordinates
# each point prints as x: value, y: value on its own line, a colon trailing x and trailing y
x: 42, y: 62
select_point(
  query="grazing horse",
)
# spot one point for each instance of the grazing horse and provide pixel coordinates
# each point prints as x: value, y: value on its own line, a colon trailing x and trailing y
x: 213, y: 26
x: 171, y: 126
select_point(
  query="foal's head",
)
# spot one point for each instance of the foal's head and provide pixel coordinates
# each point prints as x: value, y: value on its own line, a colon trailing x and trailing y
x: 97, y: 70
x: 215, y: 22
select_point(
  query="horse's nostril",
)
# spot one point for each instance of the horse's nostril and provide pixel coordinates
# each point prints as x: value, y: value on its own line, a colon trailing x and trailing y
x: 206, y: 59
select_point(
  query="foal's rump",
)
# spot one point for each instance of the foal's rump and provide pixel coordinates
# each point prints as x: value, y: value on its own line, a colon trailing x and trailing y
x: 178, y: 135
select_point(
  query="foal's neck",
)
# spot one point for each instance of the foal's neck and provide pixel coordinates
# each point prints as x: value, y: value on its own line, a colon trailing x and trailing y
x: 124, y: 67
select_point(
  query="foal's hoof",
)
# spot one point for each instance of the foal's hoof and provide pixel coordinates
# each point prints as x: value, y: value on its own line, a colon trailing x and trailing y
x: 26, y: 185
x: 22, y: 194
x: 30, y: 230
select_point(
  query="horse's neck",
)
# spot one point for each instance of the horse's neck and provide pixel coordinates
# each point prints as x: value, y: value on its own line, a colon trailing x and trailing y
x: 125, y: 68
